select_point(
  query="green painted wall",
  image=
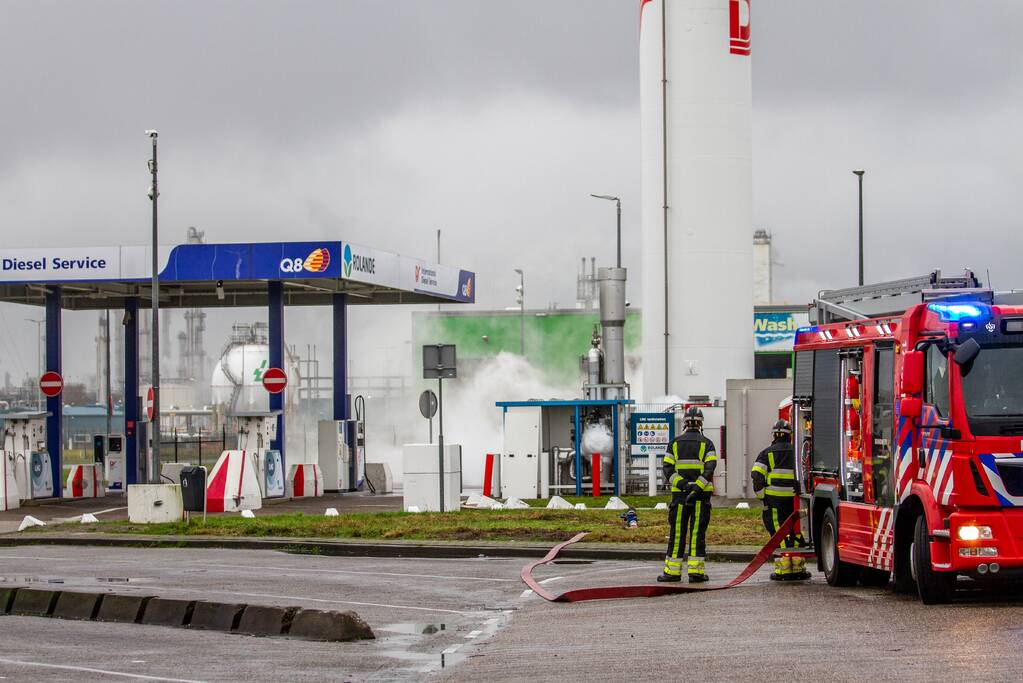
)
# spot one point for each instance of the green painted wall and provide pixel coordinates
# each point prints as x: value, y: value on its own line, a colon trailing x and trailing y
x: 555, y: 340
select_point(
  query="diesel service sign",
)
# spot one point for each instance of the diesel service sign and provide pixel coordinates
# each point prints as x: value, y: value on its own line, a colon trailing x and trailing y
x: 81, y: 263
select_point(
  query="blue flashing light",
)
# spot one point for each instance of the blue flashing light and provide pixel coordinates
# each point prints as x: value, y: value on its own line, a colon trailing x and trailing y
x: 804, y: 330
x: 956, y: 312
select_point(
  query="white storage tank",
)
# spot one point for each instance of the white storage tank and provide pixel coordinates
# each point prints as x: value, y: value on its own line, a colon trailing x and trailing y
x: 697, y: 161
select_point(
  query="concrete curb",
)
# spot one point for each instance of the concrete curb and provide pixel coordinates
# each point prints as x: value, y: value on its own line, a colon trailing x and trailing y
x: 29, y: 602
x: 254, y: 620
x: 260, y: 620
x: 216, y: 616
x: 342, y: 548
x: 124, y: 609
x: 80, y: 606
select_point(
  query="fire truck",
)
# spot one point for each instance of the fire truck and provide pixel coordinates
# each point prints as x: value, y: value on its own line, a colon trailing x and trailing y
x: 907, y: 411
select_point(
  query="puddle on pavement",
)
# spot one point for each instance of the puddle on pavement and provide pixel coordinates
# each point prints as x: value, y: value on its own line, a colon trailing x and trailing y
x: 412, y: 629
x: 75, y: 580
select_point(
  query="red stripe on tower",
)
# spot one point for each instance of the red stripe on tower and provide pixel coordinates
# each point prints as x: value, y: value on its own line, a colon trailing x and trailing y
x: 738, y: 25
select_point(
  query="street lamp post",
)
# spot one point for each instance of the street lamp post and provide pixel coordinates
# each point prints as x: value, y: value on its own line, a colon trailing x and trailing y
x: 154, y: 193
x: 859, y: 174
x: 618, y: 203
x: 521, y: 300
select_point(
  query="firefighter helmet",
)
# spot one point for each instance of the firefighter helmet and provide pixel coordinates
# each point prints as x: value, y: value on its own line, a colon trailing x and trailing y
x: 782, y: 428
x: 693, y: 418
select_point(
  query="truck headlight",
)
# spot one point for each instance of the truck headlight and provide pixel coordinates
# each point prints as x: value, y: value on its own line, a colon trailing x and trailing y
x: 971, y: 532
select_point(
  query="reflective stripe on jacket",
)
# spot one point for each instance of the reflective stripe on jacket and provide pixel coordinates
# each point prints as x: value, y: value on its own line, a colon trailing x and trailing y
x: 691, y: 459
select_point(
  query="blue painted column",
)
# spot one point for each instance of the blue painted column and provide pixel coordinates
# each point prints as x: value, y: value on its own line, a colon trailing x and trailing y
x: 54, y: 404
x: 131, y: 392
x: 341, y: 408
x: 275, y: 319
x: 614, y: 458
x: 578, y: 455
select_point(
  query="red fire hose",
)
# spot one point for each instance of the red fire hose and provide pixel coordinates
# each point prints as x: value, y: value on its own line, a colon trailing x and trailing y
x: 649, y: 591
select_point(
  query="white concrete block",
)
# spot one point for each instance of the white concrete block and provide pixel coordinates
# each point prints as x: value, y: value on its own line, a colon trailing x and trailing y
x: 616, y: 503
x: 661, y: 506
x: 742, y: 506
x: 580, y: 506
x: 558, y: 503
x: 331, y: 512
x: 155, y: 503
x: 30, y: 521
x: 248, y: 514
x: 89, y: 518
x: 515, y: 504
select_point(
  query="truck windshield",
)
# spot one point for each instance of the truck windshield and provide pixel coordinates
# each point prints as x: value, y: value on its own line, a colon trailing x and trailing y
x: 993, y: 391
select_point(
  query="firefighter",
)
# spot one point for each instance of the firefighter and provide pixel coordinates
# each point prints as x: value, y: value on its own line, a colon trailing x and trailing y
x: 774, y: 481
x: 689, y: 470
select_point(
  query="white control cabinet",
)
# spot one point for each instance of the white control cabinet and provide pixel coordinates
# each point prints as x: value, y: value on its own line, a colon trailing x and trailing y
x: 520, y: 456
x: 421, y: 480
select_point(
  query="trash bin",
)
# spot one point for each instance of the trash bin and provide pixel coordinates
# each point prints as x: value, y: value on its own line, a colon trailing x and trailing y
x: 193, y: 488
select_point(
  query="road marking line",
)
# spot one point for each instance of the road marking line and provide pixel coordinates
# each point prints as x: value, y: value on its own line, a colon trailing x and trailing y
x: 552, y: 579
x: 361, y: 573
x: 526, y: 593
x: 85, y: 669
x: 473, y: 634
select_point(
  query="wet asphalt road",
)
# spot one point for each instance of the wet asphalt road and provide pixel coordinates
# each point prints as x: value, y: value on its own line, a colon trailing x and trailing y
x: 491, y: 629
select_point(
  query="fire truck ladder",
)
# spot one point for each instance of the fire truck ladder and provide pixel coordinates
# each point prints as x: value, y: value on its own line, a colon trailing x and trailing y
x: 892, y: 298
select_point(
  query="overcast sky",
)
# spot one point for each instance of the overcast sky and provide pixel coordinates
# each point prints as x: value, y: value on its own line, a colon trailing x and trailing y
x: 381, y: 122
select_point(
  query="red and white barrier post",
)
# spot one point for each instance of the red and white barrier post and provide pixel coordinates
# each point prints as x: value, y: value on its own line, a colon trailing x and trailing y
x: 488, y: 475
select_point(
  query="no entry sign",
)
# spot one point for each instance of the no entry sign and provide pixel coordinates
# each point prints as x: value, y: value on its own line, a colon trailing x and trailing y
x: 149, y: 403
x: 51, y: 383
x: 274, y: 380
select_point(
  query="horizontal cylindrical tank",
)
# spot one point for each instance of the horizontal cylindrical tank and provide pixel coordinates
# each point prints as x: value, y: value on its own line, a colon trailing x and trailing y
x: 696, y: 139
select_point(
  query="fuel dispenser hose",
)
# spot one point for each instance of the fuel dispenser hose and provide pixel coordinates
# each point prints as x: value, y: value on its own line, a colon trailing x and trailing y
x: 654, y: 590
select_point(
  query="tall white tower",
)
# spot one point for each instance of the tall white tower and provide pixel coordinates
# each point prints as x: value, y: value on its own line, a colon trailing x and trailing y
x: 696, y: 101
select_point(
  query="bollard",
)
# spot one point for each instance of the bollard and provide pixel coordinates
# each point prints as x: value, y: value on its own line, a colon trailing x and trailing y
x: 488, y: 476
x: 595, y: 474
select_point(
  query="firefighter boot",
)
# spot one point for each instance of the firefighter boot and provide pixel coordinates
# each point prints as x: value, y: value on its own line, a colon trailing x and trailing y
x: 782, y: 568
x: 799, y: 568
x: 668, y: 578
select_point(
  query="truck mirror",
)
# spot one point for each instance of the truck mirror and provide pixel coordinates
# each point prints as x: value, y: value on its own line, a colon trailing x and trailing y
x: 966, y: 352
x: 910, y: 407
x: 913, y: 372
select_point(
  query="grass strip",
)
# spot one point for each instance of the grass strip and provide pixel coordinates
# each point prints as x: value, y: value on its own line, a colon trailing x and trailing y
x: 728, y: 526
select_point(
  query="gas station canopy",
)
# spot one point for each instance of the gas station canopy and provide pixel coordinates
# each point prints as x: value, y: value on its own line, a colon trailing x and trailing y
x: 220, y: 275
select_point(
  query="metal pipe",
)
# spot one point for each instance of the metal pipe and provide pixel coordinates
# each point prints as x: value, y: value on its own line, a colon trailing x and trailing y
x: 859, y: 174
x: 664, y: 174
x: 154, y: 192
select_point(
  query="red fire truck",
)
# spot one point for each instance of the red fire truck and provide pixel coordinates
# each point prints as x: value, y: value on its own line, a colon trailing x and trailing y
x: 908, y: 422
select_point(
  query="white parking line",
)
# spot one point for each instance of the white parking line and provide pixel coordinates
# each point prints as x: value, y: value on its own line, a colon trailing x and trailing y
x: 105, y: 672
x: 552, y: 579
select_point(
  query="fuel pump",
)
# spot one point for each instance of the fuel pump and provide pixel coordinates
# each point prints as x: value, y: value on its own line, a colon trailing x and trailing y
x: 358, y: 442
x: 25, y: 438
x: 255, y: 432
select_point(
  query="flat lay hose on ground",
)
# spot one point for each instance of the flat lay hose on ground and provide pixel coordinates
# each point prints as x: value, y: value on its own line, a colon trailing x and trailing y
x: 653, y: 590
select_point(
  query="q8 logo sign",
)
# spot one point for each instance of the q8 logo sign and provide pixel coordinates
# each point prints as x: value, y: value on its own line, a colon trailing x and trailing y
x: 315, y: 262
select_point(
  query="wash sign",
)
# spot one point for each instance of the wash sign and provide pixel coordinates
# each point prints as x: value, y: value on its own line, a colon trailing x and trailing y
x: 776, y: 331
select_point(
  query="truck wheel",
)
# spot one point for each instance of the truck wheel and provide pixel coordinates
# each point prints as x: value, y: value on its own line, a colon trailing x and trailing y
x: 837, y: 572
x: 934, y: 588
